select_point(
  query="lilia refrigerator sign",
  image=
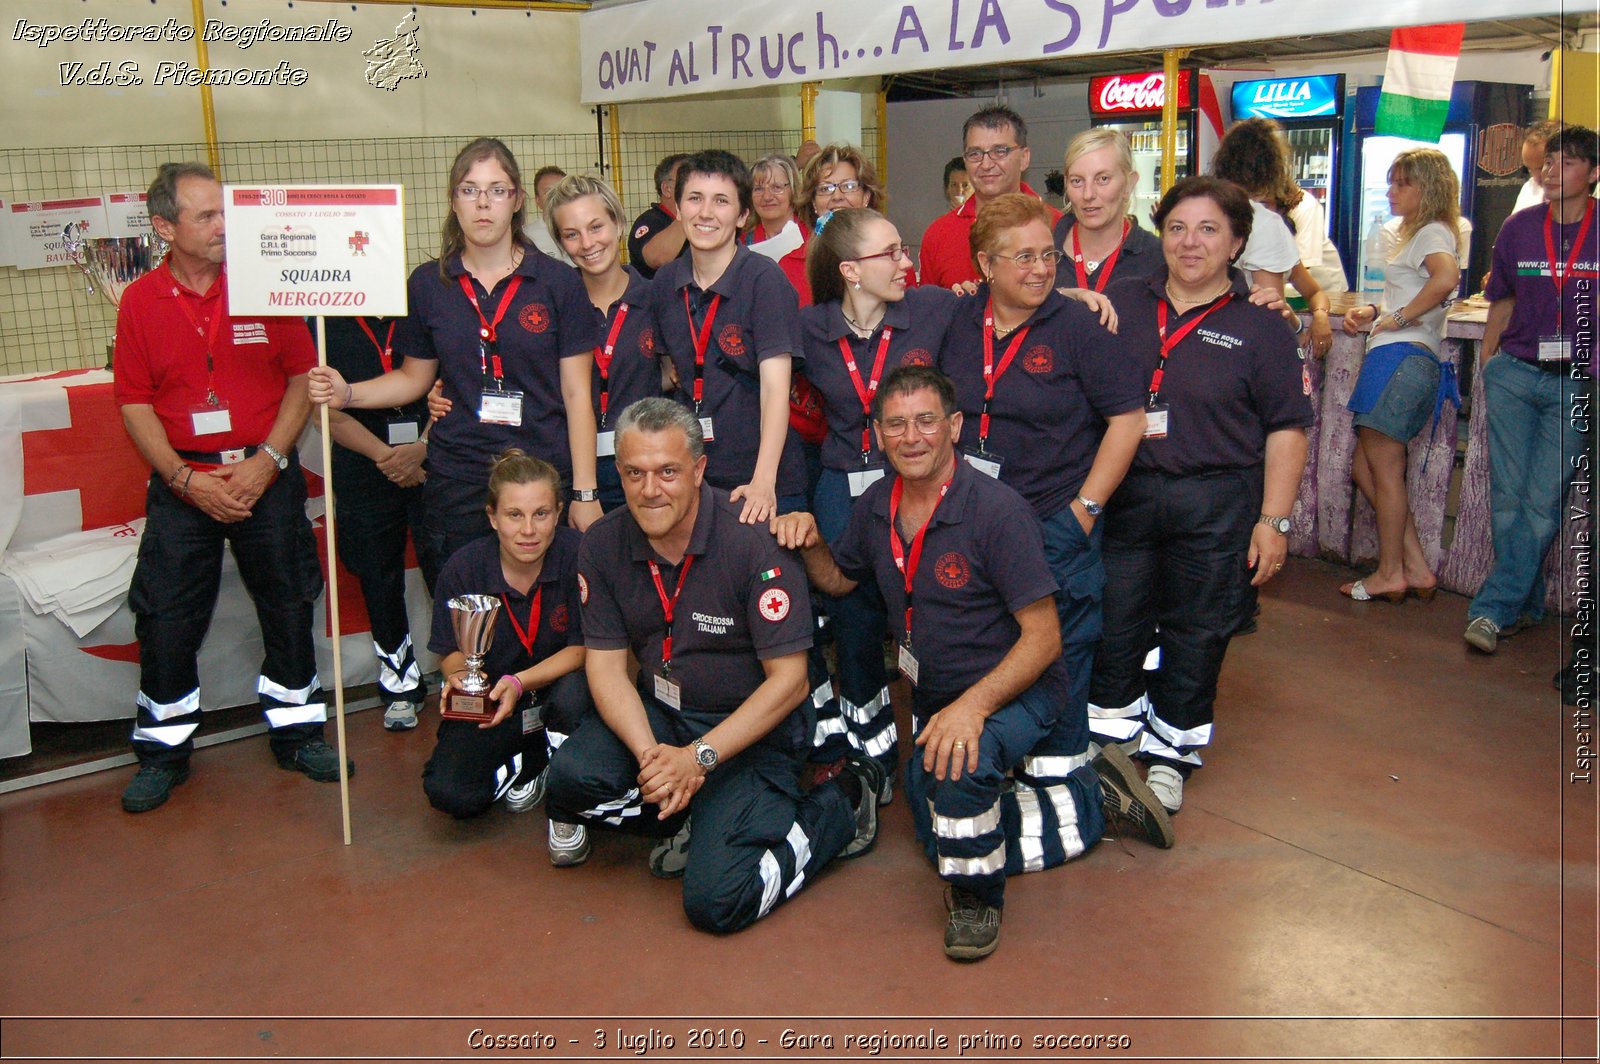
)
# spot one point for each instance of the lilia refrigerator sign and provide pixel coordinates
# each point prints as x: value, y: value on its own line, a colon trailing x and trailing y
x: 653, y: 50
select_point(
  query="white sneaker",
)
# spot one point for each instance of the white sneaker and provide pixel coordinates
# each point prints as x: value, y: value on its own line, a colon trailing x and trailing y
x: 670, y: 858
x: 569, y: 844
x: 401, y: 715
x: 1482, y: 634
x: 523, y: 795
x: 1166, y: 783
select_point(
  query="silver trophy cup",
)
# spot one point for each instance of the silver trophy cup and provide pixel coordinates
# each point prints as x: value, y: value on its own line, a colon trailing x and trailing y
x: 472, y: 617
x: 112, y: 263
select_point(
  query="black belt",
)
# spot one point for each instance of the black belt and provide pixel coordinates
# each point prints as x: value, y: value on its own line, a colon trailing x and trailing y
x: 218, y: 458
x: 1562, y: 366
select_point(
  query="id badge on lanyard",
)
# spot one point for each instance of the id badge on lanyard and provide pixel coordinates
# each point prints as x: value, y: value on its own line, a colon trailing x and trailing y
x: 402, y: 430
x: 1155, y: 421
x: 1555, y: 349
x: 532, y: 719
x: 605, y: 443
x: 667, y: 692
x: 209, y: 419
x: 987, y: 463
x: 864, y: 478
x: 500, y: 407
x: 908, y: 664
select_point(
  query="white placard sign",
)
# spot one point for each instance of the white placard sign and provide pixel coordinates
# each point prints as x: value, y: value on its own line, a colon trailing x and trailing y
x: 36, y: 229
x: 126, y: 214
x: 336, y: 251
x: 8, y: 257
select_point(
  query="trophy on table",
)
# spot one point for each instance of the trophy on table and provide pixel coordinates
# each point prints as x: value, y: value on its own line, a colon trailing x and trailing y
x: 112, y: 263
x: 472, y: 618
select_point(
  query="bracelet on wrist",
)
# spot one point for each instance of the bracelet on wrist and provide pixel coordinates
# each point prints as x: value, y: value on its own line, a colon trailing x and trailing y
x: 513, y: 678
x: 349, y: 394
x: 184, y: 494
x: 177, y: 472
x: 1399, y: 319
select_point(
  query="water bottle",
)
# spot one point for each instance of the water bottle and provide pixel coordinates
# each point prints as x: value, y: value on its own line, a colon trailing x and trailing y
x: 1374, y: 261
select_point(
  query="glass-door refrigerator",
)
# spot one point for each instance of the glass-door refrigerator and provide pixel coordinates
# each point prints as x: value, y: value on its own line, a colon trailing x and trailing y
x: 1132, y: 104
x: 1311, y: 112
x: 1483, y: 141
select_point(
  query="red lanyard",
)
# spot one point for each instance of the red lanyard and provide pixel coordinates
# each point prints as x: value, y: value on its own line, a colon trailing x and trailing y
x: 1106, y: 266
x: 602, y: 359
x: 488, y: 330
x: 526, y: 635
x: 385, y: 349
x: 1560, y: 276
x: 667, y: 606
x: 991, y: 376
x: 210, y: 337
x: 1168, y: 345
x: 702, y: 340
x: 865, y: 391
x: 908, y: 564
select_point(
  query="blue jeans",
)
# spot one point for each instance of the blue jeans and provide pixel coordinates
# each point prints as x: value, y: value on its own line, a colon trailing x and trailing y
x: 1533, y: 448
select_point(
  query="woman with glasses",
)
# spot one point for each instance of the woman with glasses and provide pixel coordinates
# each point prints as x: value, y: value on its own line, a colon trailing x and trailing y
x: 775, y: 196
x: 1205, y: 508
x: 1050, y: 408
x: 865, y: 323
x: 841, y: 176
x: 510, y: 332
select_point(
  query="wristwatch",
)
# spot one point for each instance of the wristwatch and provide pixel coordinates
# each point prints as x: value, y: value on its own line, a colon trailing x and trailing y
x: 1091, y: 507
x: 1400, y: 320
x: 585, y: 494
x: 277, y: 456
x: 704, y: 754
x: 1279, y: 525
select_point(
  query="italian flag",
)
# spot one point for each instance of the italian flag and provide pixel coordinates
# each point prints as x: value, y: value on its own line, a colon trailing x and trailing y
x: 1417, y: 81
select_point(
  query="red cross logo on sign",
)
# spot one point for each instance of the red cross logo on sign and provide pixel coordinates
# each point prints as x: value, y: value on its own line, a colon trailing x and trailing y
x: 774, y: 604
x: 358, y: 242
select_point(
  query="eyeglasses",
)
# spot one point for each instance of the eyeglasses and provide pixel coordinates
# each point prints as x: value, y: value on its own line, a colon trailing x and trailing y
x: 904, y: 253
x: 828, y: 188
x: 497, y: 193
x: 770, y: 190
x: 1027, y: 259
x: 926, y: 424
x: 974, y: 156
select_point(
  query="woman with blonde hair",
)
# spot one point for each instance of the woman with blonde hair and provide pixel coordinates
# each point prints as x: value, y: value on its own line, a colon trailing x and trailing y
x: 775, y: 196
x: 1097, y: 236
x: 1402, y: 381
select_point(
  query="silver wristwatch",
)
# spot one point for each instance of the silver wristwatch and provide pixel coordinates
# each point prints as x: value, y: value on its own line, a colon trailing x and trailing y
x: 277, y: 456
x: 1092, y: 508
x: 585, y: 494
x: 704, y: 754
x: 1279, y: 525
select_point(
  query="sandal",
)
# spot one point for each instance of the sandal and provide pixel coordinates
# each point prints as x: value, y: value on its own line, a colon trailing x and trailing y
x: 1357, y: 590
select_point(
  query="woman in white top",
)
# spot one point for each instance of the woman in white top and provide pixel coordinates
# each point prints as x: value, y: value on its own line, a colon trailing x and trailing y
x: 1402, y: 381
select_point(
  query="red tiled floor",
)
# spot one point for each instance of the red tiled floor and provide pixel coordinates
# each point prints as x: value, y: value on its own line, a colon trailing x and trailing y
x: 1382, y: 830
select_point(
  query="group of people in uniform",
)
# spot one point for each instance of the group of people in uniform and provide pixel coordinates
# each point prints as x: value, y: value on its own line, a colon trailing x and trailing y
x: 1049, y: 497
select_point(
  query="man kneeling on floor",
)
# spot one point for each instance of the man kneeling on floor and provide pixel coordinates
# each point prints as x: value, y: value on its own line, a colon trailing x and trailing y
x: 960, y: 559
x: 703, y: 721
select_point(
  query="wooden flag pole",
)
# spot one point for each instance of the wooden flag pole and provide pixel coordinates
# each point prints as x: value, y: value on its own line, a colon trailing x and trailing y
x: 333, y: 589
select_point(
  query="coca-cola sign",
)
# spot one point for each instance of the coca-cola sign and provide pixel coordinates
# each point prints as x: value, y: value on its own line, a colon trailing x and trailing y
x: 1135, y: 93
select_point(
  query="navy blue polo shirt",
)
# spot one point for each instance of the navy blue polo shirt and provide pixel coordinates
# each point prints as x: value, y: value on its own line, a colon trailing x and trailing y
x: 549, y: 319
x: 744, y: 601
x: 982, y: 561
x: 918, y: 322
x: 635, y: 371
x: 757, y: 319
x: 1140, y: 255
x: 1050, y: 407
x: 1232, y: 380
x: 357, y: 358
x: 475, y: 570
x: 645, y: 228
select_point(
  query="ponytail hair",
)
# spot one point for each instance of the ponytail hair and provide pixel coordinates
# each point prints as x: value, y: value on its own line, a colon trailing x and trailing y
x: 514, y: 466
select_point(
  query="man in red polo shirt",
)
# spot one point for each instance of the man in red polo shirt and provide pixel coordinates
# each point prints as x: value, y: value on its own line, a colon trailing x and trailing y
x: 215, y: 404
x: 995, y: 147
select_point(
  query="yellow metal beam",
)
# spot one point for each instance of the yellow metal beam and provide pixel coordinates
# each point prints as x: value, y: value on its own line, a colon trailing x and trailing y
x: 208, y: 112
x: 808, y: 109
x: 1169, y: 116
x: 883, y: 136
x: 614, y: 135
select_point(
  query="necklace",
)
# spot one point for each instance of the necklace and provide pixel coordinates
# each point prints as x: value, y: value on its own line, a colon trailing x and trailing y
x: 861, y: 329
x: 1195, y: 302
